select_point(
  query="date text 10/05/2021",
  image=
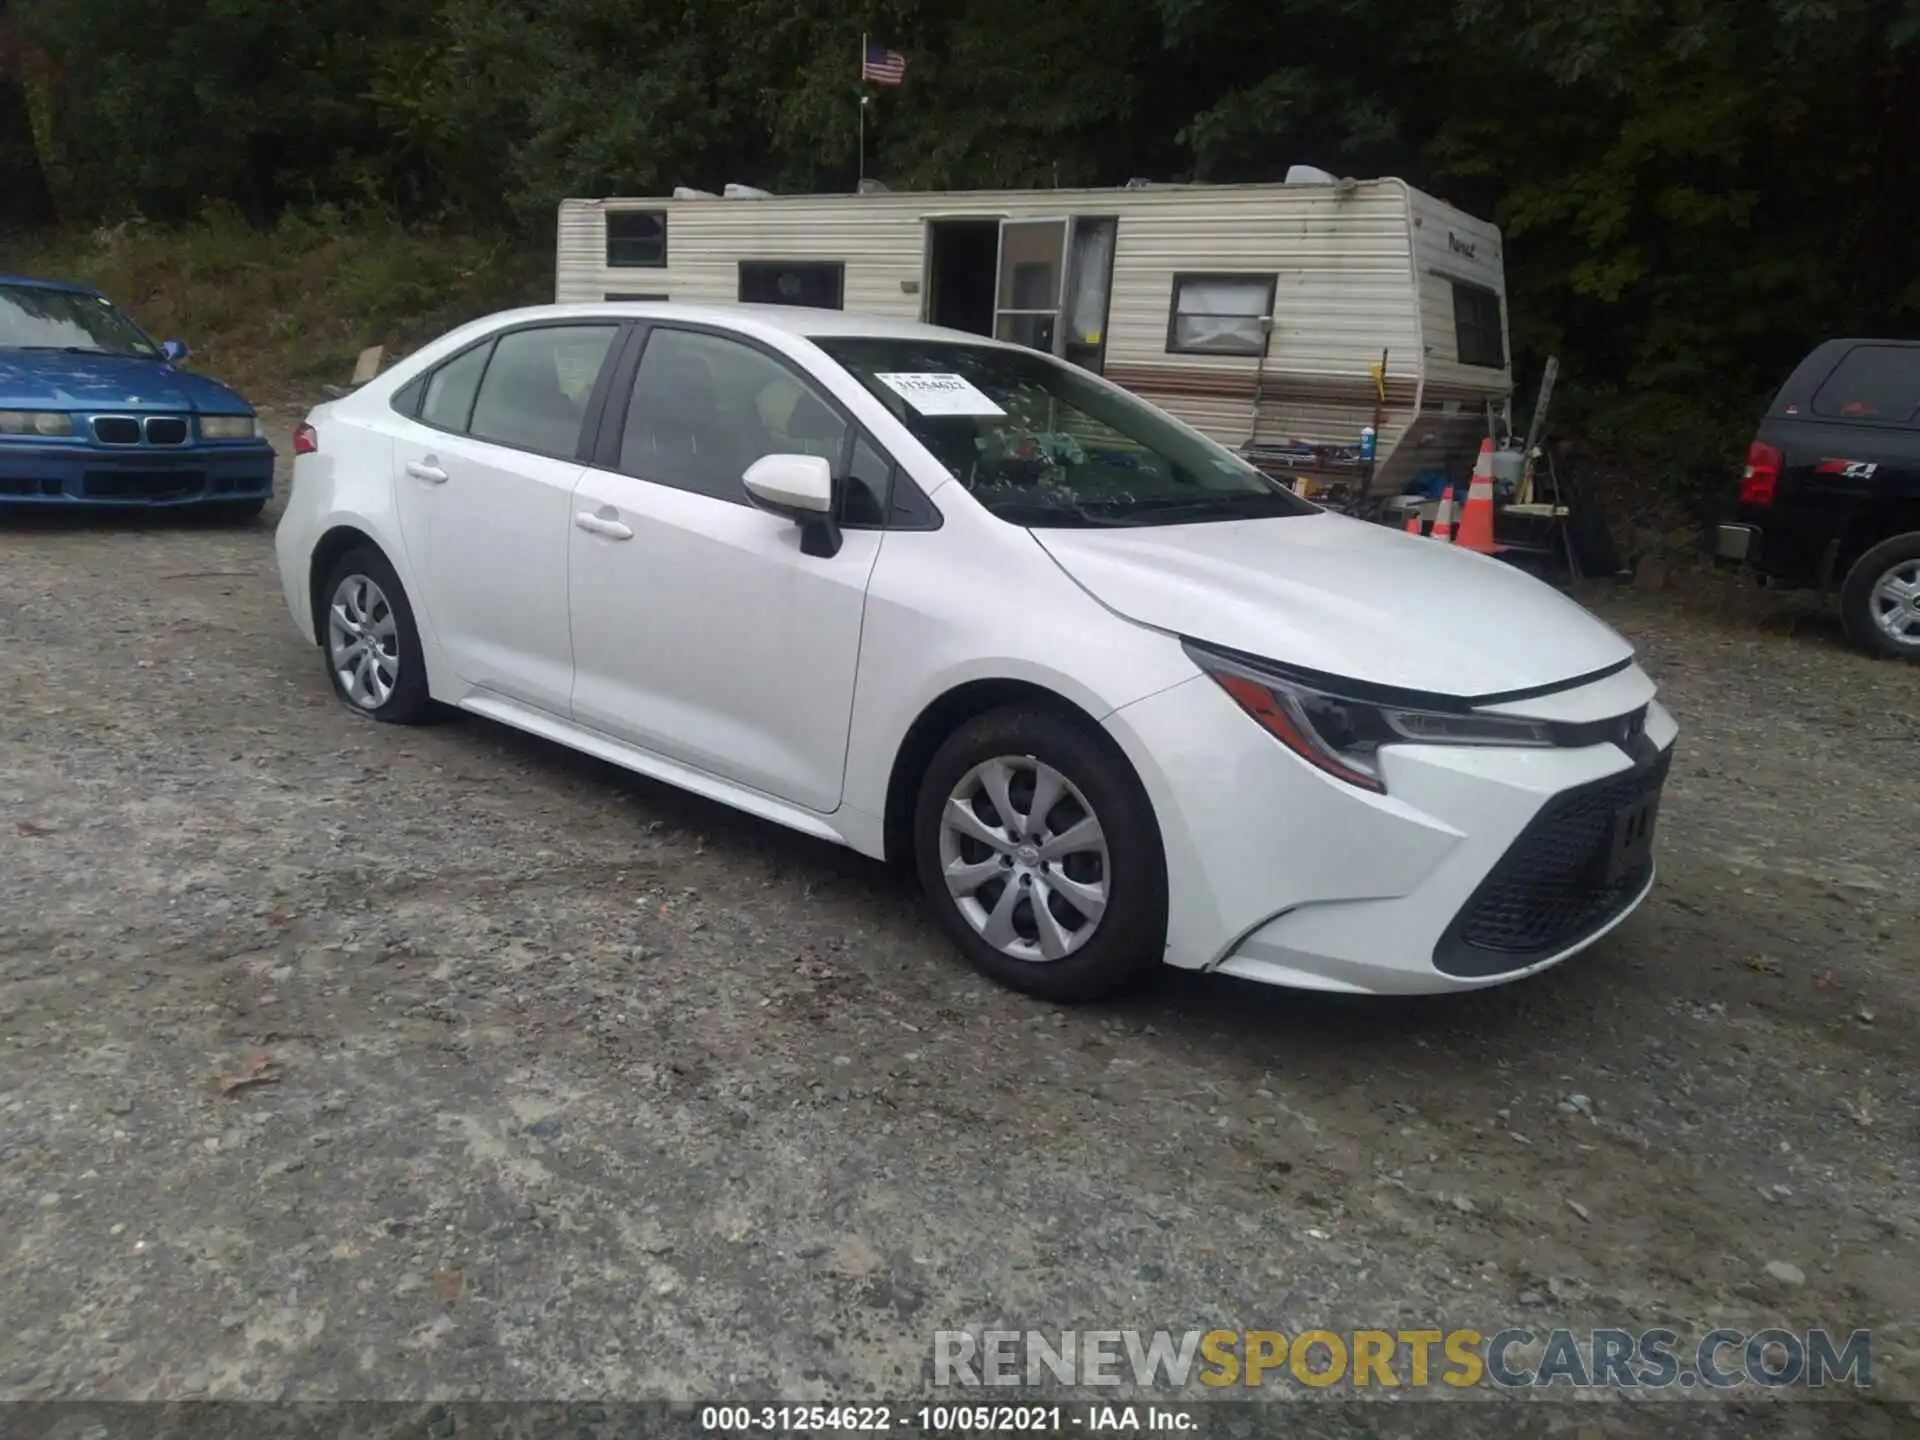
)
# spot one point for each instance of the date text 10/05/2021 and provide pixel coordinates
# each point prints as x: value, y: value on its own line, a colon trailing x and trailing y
x: 949, y: 1419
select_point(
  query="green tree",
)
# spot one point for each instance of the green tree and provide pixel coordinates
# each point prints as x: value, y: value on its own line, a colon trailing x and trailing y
x: 1693, y: 191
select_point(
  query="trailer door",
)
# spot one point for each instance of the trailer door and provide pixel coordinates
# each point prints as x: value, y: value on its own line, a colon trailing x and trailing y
x: 1089, y: 292
x: 1033, y: 260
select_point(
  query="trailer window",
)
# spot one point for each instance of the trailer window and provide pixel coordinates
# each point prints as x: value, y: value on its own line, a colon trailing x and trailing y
x: 818, y: 286
x: 1477, y: 330
x: 1220, y: 314
x: 636, y: 239
x: 1874, y: 382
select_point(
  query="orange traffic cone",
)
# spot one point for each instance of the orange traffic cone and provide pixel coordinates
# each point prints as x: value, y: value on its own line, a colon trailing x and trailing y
x: 1476, y: 520
x: 1443, y: 518
x: 1412, y: 527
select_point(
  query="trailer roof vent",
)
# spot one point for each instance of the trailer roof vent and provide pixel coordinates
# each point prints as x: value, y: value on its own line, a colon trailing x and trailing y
x: 1308, y: 175
x: 687, y: 192
x: 747, y: 192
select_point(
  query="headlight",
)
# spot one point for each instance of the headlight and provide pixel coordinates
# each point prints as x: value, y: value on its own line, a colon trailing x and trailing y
x: 229, y: 427
x: 1343, y: 735
x: 35, y: 422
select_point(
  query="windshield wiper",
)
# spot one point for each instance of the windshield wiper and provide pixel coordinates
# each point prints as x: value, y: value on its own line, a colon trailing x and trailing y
x: 1219, y: 507
x: 70, y: 349
x: 1034, y: 512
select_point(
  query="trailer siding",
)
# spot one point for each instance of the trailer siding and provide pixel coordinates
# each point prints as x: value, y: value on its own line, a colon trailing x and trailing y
x: 1350, y: 262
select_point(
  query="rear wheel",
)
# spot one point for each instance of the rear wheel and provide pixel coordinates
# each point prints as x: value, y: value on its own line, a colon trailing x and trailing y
x: 370, y: 641
x: 1037, y: 848
x: 1880, y: 599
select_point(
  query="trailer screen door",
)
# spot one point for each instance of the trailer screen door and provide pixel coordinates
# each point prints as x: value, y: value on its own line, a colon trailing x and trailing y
x: 1033, y: 257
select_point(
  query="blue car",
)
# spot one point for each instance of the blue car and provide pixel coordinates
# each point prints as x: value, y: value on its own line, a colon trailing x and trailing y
x: 93, y: 412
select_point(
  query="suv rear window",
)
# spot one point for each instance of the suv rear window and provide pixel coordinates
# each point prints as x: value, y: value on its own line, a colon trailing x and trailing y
x: 1873, y: 382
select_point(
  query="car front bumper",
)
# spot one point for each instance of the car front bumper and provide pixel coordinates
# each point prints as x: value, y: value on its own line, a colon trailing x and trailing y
x: 66, y: 474
x: 1479, y: 865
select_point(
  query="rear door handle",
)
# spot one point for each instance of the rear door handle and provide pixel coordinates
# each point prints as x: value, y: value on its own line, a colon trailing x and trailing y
x: 599, y: 525
x: 432, y: 474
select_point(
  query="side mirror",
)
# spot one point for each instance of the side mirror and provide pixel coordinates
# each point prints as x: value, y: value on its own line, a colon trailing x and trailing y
x: 174, y: 350
x: 798, y: 488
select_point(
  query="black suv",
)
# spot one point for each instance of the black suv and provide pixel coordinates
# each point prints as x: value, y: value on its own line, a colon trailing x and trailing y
x: 1832, y: 490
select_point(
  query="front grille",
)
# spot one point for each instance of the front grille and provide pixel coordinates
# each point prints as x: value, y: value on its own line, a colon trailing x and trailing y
x: 116, y: 430
x: 1551, y: 889
x: 132, y: 429
x: 144, y: 484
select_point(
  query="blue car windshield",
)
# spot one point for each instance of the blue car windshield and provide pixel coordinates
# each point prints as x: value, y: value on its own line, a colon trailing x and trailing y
x: 1043, y: 444
x: 41, y: 317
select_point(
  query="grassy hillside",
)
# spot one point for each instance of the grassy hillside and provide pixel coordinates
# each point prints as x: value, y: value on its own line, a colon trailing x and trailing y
x: 279, y: 313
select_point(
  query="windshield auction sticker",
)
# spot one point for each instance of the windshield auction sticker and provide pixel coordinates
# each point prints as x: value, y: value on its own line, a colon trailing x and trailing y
x: 936, y: 394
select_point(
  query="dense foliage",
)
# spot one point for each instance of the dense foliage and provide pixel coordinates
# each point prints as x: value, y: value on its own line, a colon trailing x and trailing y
x: 1693, y: 190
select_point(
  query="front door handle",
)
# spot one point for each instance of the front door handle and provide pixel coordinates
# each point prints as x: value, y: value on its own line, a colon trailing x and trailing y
x: 421, y: 470
x: 600, y: 525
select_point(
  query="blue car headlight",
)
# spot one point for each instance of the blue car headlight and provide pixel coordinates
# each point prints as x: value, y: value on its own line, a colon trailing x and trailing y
x: 35, y: 422
x: 229, y: 427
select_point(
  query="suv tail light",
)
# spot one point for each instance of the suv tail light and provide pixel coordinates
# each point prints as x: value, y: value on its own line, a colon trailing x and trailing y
x: 306, y: 439
x: 1763, y: 475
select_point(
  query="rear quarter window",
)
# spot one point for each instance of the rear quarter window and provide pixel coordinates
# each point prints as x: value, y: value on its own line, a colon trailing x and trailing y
x: 1876, y: 383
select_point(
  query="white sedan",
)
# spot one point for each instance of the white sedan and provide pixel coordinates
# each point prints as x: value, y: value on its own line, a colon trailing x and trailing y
x: 1117, y: 697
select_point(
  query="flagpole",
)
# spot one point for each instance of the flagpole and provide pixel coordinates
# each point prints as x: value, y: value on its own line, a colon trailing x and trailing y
x: 863, y: 114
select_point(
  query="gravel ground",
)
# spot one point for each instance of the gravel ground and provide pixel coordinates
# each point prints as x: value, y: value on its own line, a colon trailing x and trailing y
x: 582, y: 1087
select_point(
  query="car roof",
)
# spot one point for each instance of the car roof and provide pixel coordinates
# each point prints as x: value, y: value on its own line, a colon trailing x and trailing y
x: 762, y: 319
x: 46, y: 284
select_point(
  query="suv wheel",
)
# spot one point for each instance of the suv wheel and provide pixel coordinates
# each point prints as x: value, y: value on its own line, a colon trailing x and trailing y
x: 1880, y: 600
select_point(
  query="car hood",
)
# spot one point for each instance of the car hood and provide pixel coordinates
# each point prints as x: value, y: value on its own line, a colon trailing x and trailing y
x: 61, y: 380
x: 1344, y: 597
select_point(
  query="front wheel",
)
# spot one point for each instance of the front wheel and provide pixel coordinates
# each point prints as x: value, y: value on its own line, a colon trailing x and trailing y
x: 371, y: 643
x: 1037, y: 848
x: 1880, y: 599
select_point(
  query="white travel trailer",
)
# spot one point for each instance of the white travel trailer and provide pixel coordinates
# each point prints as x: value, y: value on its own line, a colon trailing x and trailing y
x: 1257, y: 313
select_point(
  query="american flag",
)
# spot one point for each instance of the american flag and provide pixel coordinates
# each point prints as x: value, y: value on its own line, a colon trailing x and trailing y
x: 881, y: 65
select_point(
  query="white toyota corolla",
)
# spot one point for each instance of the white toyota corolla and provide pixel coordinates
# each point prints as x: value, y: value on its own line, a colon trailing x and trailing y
x: 1119, y: 698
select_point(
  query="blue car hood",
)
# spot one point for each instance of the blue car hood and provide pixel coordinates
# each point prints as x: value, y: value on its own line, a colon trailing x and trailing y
x: 60, y: 380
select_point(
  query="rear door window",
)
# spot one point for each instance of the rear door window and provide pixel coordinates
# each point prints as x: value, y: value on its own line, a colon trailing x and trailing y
x: 1879, y: 383
x: 534, y: 394
x: 450, y: 392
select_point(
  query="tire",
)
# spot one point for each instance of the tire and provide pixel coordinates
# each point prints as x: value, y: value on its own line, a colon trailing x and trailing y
x: 1126, y: 940
x: 362, y: 598
x: 235, y: 512
x: 1871, y: 604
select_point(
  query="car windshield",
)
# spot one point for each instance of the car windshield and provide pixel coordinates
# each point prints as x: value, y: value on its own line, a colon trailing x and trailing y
x: 1040, y: 443
x: 41, y: 317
